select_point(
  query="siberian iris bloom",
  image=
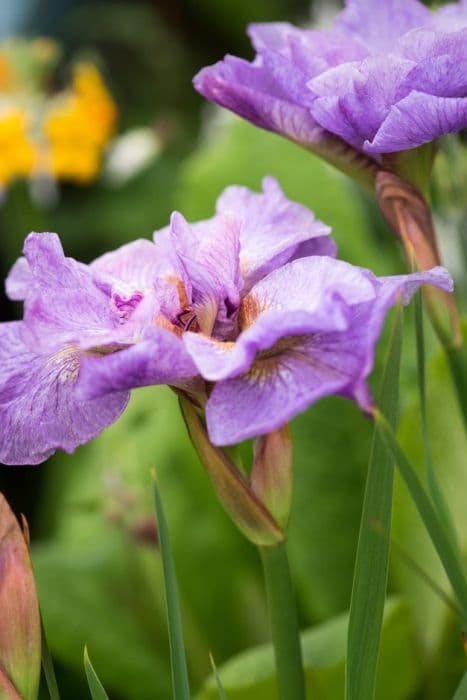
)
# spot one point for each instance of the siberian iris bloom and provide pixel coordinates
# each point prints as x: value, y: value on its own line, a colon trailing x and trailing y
x: 246, y: 313
x: 389, y: 76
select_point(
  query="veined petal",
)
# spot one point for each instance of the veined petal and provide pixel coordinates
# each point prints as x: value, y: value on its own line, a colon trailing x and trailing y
x: 158, y: 358
x: 251, y: 92
x: 40, y: 411
x: 353, y: 99
x: 220, y: 360
x: 19, y: 282
x: 417, y: 119
x: 272, y: 227
x: 278, y: 386
x: 65, y: 305
x: 259, y: 402
x: 379, y: 24
x: 209, y: 252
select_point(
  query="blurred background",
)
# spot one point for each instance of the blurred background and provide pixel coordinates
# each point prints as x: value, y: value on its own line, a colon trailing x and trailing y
x: 112, y: 80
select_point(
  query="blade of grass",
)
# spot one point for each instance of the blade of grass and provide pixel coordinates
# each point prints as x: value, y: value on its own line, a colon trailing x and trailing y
x: 48, y: 667
x: 180, y: 684
x: 461, y: 692
x: 447, y: 552
x: 95, y: 686
x: 220, y: 688
x: 435, y: 490
x: 372, y: 561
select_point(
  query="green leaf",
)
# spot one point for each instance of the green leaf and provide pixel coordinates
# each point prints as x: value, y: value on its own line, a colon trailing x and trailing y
x: 95, y: 686
x: 432, y: 479
x: 180, y: 684
x: 372, y: 562
x: 48, y: 667
x: 447, y: 552
x: 461, y: 692
x: 251, y: 675
x: 220, y: 687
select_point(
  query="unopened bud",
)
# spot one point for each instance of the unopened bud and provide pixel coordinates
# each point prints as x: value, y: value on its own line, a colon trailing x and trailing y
x: 234, y: 490
x: 20, y: 634
x: 271, y: 477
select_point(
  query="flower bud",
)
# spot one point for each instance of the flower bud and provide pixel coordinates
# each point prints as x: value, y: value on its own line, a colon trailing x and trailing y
x: 20, y: 633
x: 271, y: 477
x: 235, y: 492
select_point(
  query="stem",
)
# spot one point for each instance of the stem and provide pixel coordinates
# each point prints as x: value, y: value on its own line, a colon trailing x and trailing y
x: 284, y: 624
x: 457, y: 360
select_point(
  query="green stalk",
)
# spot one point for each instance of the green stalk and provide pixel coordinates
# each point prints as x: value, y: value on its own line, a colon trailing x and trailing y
x: 447, y: 551
x: 457, y: 360
x: 284, y: 624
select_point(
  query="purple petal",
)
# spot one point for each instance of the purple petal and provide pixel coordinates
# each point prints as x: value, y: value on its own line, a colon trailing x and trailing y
x: 138, y: 264
x: 19, y: 282
x: 209, y: 252
x: 305, y: 296
x: 451, y: 17
x: 272, y: 227
x: 66, y: 305
x: 159, y: 358
x: 353, y: 99
x: 278, y: 386
x: 379, y: 24
x: 221, y: 360
x: 418, y: 119
x: 40, y: 411
x: 253, y: 405
x: 258, y: 93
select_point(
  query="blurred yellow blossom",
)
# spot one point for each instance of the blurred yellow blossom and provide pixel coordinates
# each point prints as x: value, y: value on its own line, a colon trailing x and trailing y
x: 79, y: 126
x: 18, y: 153
x: 61, y: 135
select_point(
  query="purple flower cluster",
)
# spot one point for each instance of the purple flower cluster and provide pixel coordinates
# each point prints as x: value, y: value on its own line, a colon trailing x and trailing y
x: 249, y: 313
x: 389, y: 76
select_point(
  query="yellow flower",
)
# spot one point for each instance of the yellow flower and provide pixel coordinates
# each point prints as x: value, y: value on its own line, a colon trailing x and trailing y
x: 18, y: 153
x: 78, y: 128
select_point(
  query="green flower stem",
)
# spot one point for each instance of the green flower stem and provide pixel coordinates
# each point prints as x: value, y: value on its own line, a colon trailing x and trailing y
x: 284, y: 624
x: 457, y: 360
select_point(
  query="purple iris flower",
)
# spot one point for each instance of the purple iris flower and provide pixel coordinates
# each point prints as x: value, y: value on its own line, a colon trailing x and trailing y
x: 247, y: 313
x: 257, y: 332
x: 132, y: 306
x: 389, y: 76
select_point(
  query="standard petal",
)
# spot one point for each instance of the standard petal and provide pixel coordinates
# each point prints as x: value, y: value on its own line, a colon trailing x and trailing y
x: 159, y: 358
x: 138, y: 264
x: 254, y: 92
x: 209, y: 252
x: 377, y: 25
x: 272, y: 227
x: 19, y: 282
x: 418, y: 119
x: 65, y: 303
x: 353, y: 99
x: 40, y: 411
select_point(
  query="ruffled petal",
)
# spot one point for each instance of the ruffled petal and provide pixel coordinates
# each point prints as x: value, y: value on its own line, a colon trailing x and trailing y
x: 19, y: 282
x: 158, y: 358
x: 272, y: 227
x: 353, y: 99
x: 65, y: 304
x: 418, y: 119
x: 40, y: 411
x: 377, y: 25
x: 258, y: 92
x: 210, y: 254
x: 260, y: 402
